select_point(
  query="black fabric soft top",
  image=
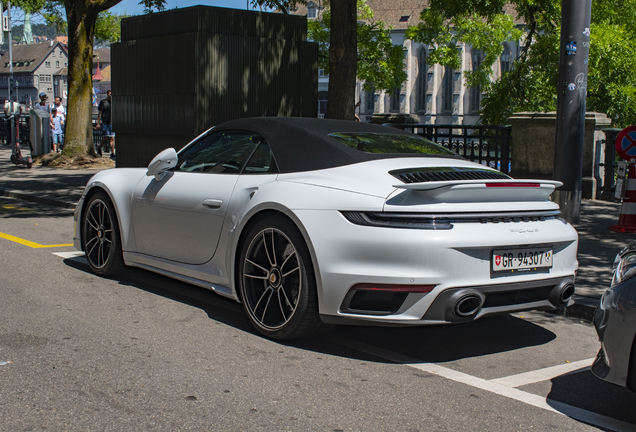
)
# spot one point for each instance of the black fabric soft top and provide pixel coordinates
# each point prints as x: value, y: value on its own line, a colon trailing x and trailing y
x: 303, y: 144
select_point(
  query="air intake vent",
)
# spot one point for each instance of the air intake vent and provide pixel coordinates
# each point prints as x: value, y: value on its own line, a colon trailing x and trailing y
x: 423, y: 175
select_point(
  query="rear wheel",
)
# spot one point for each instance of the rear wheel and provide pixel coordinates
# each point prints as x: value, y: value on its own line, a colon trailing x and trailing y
x: 277, y: 281
x: 100, y: 236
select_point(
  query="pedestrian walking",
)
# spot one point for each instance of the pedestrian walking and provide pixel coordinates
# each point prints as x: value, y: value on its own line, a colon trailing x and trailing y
x: 104, y: 123
x: 56, y: 130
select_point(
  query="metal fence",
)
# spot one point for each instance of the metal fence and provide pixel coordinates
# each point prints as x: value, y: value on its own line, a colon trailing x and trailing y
x: 25, y: 135
x: 485, y: 144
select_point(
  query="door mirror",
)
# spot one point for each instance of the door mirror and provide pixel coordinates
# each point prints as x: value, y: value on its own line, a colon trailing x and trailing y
x: 161, y: 163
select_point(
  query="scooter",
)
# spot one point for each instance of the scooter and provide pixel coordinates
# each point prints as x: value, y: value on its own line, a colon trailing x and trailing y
x: 16, y: 153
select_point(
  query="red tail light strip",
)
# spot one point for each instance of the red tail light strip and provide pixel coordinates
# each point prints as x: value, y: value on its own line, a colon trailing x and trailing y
x: 513, y: 185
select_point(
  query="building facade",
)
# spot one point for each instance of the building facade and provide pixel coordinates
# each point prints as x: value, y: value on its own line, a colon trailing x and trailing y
x: 432, y: 94
x: 38, y: 67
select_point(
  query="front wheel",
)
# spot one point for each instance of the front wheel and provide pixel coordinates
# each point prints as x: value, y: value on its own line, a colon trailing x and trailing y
x: 277, y: 282
x: 100, y: 236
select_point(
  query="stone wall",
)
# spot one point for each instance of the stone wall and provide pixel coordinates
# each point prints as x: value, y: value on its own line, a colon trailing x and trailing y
x: 532, y: 149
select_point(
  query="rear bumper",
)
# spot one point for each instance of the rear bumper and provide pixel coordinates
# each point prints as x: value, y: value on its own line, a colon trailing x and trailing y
x: 456, y: 261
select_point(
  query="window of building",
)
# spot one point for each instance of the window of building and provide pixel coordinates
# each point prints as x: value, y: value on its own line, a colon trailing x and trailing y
x: 395, y: 100
x: 369, y: 99
x: 311, y: 10
x: 322, y: 102
x: 475, y: 92
x: 47, y: 64
x: 421, y: 81
x: 447, y: 90
x: 322, y: 74
x: 505, y: 59
x: 57, y: 64
x: 404, y: 18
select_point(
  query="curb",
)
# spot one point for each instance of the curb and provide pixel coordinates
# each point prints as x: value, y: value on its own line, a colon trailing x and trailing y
x: 579, y: 310
x: 36, y: 199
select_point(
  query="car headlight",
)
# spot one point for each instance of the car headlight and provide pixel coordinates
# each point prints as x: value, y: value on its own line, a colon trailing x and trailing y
x: 624, y: 266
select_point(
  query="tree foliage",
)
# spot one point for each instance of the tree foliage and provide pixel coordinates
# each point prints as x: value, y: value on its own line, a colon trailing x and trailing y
x: 380, y: 63
x: 531, y: 84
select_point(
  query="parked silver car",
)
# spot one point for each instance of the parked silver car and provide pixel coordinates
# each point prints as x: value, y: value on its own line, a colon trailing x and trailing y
x: 615, y: 322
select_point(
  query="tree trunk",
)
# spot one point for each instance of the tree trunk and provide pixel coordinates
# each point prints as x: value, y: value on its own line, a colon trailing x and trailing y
x: 81, y: 19
x: 343, y: 59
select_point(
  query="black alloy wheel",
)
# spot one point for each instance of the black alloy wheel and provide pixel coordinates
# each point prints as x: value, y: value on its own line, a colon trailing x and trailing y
x: 100, y: 236
x: 277, y: 281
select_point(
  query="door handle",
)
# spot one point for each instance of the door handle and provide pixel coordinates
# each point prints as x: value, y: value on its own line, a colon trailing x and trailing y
x: 213, y: 203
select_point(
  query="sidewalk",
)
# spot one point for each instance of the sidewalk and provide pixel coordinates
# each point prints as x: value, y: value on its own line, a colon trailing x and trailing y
x: 598, y: 245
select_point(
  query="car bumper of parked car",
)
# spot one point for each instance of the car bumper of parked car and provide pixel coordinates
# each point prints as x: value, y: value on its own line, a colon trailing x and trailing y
x: 399, y: 276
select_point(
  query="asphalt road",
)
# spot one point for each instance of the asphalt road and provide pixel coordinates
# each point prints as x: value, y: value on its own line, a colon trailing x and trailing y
x: 145, y: 352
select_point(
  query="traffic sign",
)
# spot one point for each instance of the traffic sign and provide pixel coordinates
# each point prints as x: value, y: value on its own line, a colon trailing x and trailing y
x: 626, y: 143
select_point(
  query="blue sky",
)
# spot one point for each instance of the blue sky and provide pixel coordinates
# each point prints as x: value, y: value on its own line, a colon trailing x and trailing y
x: 132, y: 7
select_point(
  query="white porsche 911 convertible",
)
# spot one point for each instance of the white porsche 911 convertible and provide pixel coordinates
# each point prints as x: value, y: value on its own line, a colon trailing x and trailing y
x: 311, y: 222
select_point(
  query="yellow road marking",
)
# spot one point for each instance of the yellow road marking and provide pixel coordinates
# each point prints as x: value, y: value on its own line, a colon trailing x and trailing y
x: 30, y: 243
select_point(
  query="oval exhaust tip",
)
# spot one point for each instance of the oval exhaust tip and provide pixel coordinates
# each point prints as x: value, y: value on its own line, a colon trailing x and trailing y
x: 468, y: 305
x: 566, y: 293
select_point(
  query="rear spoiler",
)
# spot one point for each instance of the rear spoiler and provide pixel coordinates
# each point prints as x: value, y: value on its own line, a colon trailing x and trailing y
x: 466, y: 191
x: 480, y: 184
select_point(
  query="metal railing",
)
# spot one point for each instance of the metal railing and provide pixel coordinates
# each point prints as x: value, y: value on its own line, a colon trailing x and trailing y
x: 25, y: 136
x: 484, y: 144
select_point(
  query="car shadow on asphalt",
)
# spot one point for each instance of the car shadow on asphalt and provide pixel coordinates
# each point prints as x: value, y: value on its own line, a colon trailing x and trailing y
x: 584, y: 390
x: 425, y: 343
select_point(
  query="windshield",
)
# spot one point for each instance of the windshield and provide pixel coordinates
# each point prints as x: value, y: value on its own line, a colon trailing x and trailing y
x: 391, y: 143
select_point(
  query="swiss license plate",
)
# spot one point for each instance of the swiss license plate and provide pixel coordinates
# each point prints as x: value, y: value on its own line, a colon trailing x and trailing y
x: 521, y: 259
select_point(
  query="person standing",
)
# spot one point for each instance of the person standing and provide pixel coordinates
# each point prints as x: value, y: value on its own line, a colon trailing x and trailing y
x: 105, y: 123
x: 61, y: 112
x: 42, y: 105
x: 56, y: 130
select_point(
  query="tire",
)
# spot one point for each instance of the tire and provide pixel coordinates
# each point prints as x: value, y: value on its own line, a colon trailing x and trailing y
x: 277, y: 282
x: 100, y: 236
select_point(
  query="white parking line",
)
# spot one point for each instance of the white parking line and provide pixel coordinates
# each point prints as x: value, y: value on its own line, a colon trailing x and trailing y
x: 490, y: 386
x: 69, y: 254
x: 544, y: 374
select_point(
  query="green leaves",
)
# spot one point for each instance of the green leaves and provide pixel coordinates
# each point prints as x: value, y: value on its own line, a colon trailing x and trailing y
x: 448, y: 34
x: 532, y: 83
x: 380, y: 62
x: 108, y: 27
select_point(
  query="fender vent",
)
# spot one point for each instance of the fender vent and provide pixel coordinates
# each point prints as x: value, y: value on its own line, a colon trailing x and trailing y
x: 423, y: 175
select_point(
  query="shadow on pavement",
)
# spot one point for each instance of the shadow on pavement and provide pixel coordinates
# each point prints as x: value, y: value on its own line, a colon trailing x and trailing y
x: 20, y: 209
x: 584, y: 390
x: 427, y: 344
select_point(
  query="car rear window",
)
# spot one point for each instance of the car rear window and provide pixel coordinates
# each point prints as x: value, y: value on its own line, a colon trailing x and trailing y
x: 390, y: 143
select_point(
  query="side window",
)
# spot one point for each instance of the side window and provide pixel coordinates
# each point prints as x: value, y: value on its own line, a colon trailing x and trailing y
x: 224, y: 152
x: 262, y: 161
